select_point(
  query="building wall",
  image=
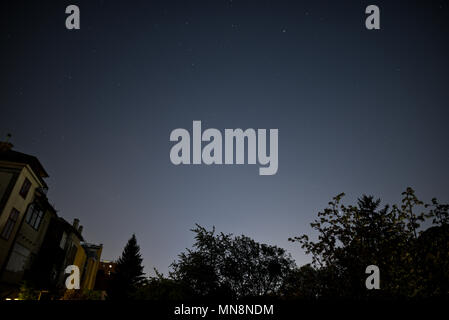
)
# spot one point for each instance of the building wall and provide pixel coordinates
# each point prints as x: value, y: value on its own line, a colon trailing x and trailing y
x: 8, y: 178
x: 59, y: 249
x: 74, y: 255
x: 91, y: 268
x: 16, y: 201
x: 29, y: 241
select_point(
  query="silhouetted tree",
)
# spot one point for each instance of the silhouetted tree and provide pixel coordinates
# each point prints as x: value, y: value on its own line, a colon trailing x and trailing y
x: 129, y: 272
x: 231, y: 266
x: 302, y: 283
x: 352, y: 237
x: 161, y: 288
x: 432, y: 253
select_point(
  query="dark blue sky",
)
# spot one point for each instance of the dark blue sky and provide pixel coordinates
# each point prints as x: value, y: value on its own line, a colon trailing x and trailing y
x: 358, y: 111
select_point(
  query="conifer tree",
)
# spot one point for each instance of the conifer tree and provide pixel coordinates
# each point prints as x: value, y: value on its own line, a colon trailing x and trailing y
x: 129, y: 272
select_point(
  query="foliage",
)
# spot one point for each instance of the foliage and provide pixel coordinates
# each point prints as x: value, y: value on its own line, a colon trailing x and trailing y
x: 163, y: 289
x: 408, y: 242
x: 231, y: 266
x: 81, y: 294
x: 27, y: 292
x: 302, y: 283
x: 352, y: 237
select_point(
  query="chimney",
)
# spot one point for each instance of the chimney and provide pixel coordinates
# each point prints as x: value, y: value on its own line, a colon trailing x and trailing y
x: 80, y: 229
x: 6, y: 145
x: 75, y: 223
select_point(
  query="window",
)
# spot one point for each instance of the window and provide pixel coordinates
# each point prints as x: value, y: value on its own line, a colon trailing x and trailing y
x: 10, y: 223
x: 34, y: 216
x: 25, y: 188
x: 63, y: 240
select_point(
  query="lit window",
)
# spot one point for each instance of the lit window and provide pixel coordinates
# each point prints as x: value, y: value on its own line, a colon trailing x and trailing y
x: 10, y: 223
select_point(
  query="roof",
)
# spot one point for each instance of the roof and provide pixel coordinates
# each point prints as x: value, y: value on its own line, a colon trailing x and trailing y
x: 19, y: 157
x: 70, y: 228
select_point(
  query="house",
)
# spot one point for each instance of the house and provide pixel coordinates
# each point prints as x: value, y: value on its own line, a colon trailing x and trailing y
x: 36, y: 245
x: 25, y: 213
x: 64, y: 245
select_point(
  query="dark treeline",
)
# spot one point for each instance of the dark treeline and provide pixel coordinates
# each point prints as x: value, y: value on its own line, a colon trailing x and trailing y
x: 408, y: 242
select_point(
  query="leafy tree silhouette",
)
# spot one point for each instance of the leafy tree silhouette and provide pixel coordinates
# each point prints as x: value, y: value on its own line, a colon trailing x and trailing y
x: 432, y: 253
x: 223, y: 265
x: 413, y: 261
x: 352, y: 237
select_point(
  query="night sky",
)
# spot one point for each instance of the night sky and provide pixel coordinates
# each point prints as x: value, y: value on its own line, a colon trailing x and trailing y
x: 358, y: 111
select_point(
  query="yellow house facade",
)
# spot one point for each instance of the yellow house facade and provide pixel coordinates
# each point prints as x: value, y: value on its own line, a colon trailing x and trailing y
x: 87, y: 259
x: 93, y: 256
